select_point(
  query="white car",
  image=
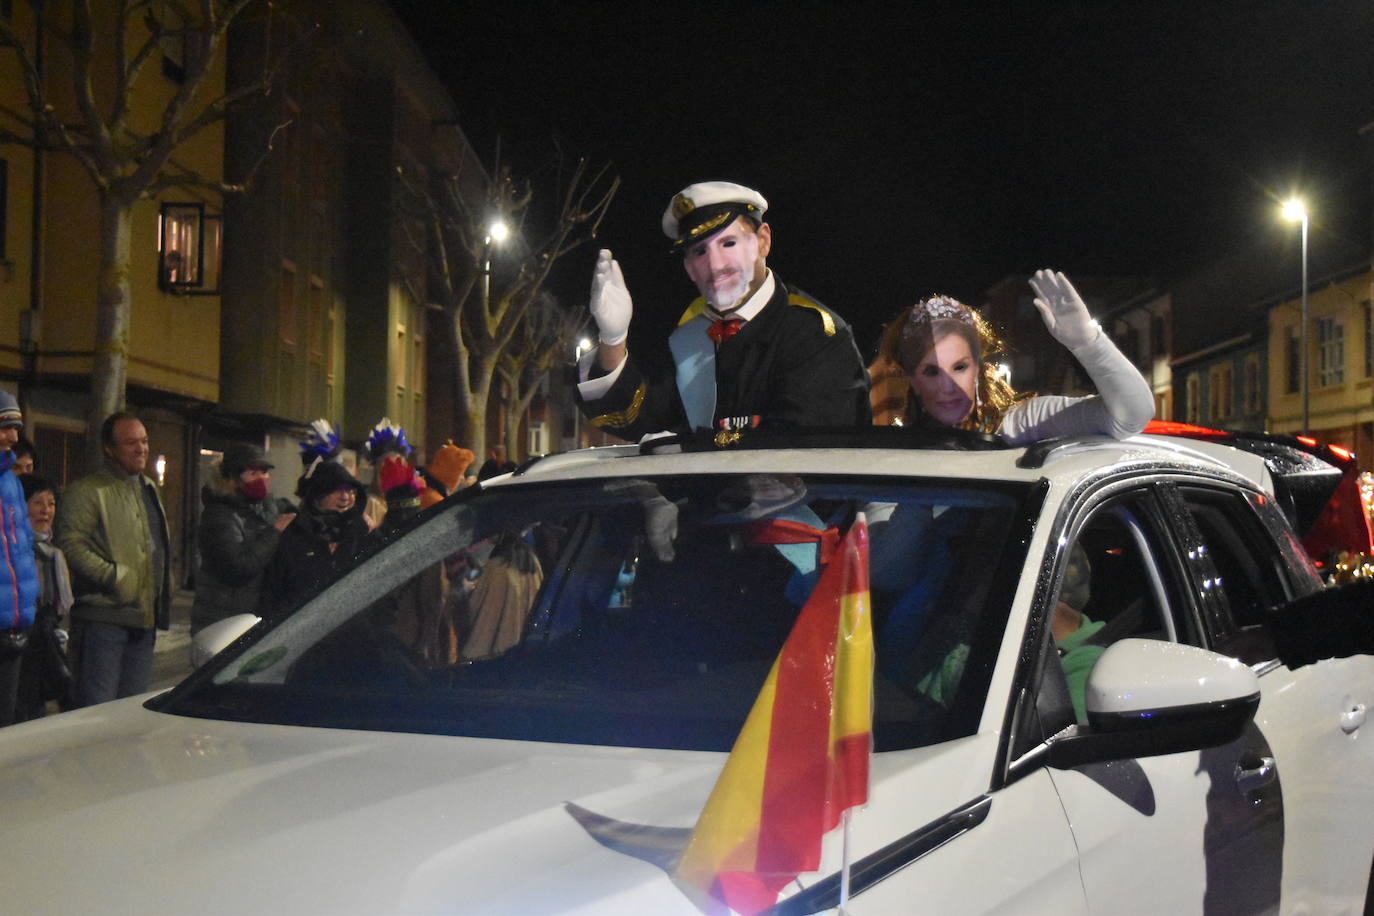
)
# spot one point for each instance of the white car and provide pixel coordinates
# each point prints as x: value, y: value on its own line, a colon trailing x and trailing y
x: 617, y: 610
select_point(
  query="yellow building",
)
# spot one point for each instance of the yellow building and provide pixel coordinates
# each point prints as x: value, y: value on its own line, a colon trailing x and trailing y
x: 1340, y: 350
x: 51, y: 215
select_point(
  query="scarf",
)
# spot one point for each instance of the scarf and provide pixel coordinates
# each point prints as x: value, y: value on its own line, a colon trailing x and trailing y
x: 42, y: 543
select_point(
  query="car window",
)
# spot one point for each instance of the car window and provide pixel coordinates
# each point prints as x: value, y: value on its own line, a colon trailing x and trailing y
x: 1114, y: 579
x: 1250, y: 568
x: 637, y: 612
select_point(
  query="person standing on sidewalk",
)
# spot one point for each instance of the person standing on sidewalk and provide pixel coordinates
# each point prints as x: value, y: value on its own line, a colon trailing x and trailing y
x: 113, y: 530
x: 45, y: 674
x: 239, y: 530
x: 18, y: 572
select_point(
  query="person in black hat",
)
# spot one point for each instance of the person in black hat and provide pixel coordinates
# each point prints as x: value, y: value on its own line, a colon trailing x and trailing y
x: 750, y: 351
x: 240, y: 526
x: 324, y: 540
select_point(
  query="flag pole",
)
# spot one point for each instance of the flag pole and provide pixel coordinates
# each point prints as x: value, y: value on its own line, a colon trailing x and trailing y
x: 844, y: 868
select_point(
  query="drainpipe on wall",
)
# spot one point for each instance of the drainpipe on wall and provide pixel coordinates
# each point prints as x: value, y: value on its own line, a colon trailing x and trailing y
x: 30, y: 323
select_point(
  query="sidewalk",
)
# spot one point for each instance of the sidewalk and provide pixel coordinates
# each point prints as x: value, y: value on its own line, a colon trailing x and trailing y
x: 172, y: 654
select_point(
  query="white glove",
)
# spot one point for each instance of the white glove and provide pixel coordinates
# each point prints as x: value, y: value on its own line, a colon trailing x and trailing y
x: 610, y: 303
x: 1065, y: 315
x: 660, y: 525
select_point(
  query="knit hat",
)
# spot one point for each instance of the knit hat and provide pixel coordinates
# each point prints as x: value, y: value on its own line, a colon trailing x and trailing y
x: 10, y: 414
x: 324, y: 477
x: 243, y: 456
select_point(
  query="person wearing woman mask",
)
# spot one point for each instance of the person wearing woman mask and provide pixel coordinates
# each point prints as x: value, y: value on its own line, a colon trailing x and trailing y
x: 948, y: 354
x: 44, y: 673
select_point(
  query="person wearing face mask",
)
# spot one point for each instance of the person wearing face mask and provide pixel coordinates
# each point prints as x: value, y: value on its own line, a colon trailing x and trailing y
x: 240, y: 527
x: 324, y: 539
x: 750, y: 351
x: 949, y: 355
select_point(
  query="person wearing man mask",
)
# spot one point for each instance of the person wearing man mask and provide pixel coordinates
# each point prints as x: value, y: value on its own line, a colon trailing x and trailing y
x: 750, y: 351
x: 240, y: 527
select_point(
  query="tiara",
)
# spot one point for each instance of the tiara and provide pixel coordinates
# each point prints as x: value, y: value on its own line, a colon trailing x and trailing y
x: 936, y: 308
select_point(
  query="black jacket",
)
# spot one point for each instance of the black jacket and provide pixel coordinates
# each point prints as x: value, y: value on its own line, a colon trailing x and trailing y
x: 235, y: 541
x: 794, y: 364
x: 304, y: 563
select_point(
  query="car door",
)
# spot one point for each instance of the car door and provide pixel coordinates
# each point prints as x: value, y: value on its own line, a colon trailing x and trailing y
x: 1314, y: 717
x: 1186, y: 832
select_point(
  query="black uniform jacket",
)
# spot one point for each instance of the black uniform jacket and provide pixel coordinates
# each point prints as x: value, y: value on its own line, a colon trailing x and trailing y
x: 793, y: 364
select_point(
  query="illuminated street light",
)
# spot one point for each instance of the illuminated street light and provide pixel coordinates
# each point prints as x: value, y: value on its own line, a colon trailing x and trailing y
x: 496, y: 232
x: 1294, y: 210
x: 583, y: 346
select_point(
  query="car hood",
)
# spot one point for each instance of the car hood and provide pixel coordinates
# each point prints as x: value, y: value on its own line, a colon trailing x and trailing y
x: 121, y: 809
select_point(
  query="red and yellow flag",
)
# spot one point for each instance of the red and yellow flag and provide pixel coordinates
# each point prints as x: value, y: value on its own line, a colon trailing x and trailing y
x: 801, y: 759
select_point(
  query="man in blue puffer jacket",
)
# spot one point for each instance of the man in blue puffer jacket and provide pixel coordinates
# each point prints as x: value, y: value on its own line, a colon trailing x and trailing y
x: 18, y: 571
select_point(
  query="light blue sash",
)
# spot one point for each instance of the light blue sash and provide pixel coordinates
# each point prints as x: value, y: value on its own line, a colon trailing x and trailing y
x: 695, y: 357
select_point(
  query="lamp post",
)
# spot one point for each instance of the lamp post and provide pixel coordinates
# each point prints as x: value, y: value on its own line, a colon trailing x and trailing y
x: 1296, y: 211
x: 496, y: 232
x: 583, y: 346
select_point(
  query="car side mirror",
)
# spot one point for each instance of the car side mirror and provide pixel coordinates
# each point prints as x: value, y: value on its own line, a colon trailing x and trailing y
x: 206, y: 644
x: 1147, y: 697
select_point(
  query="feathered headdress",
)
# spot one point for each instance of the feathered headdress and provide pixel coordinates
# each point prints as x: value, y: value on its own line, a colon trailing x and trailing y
x: 322, y: 445
x: 387, y: 437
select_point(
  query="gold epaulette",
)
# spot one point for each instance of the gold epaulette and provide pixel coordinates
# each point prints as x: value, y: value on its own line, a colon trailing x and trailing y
x: 696, y: 308
x: 622, y: 418
x: 826, y: 318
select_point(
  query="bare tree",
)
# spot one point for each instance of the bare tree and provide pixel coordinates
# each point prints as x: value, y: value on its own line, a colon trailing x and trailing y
x: 541, y: 344
x: 97, y: 127
x: 493, y: 315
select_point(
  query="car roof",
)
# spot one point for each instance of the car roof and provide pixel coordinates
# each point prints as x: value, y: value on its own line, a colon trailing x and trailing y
x: 877, y: 452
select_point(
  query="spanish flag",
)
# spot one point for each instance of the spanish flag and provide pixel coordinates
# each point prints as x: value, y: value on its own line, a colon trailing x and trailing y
x: 801, y: 759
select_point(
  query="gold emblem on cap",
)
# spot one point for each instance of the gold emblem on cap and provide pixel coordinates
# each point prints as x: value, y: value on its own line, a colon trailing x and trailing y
x: 711, y: 223
x: 682, y: 205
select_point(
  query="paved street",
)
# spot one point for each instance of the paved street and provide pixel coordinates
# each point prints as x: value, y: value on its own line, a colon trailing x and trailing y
x: 173, y: 659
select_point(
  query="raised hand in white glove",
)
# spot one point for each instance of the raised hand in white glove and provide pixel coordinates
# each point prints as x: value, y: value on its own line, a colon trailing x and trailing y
x: 610, y: 303
x: 1065, y: 315
x: 660, y: 526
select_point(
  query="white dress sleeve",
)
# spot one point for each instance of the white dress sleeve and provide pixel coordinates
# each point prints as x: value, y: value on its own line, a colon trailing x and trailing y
x: 593, y: 388
x: 1122, y: 409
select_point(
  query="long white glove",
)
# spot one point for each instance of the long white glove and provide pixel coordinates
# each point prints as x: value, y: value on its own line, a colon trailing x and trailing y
x: 610, y: 303
x: 1065, y: 315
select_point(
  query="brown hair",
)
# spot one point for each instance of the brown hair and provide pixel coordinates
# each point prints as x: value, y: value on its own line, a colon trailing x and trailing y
x: 911, y: 335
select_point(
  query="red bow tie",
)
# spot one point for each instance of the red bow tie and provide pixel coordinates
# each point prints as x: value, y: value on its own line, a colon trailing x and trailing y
x: 725, y: 329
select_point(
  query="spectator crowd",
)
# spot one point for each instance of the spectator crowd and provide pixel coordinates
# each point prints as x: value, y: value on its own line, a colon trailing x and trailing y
x: 89, y: 567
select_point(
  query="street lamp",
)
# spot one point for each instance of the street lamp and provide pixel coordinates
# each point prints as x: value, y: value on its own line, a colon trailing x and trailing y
x: 583, y: 346
x: 1294, y: 210
x: 496, y: 232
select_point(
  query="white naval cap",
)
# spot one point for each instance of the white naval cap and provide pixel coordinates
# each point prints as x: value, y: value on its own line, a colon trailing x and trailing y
x: 699, y: 210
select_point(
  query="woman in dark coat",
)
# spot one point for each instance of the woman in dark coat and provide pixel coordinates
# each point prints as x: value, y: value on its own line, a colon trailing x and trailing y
x: 324, y: 540
x: 44, y: 673
x: 240, y: 527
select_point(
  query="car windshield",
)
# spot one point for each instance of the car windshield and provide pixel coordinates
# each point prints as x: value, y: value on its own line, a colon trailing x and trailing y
x: 634, y: 612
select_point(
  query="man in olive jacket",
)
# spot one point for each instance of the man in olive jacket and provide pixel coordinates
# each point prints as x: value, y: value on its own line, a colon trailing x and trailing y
x: 113, y: 530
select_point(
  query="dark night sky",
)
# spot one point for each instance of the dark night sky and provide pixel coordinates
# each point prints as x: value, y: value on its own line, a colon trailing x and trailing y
x: 923, y: 147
